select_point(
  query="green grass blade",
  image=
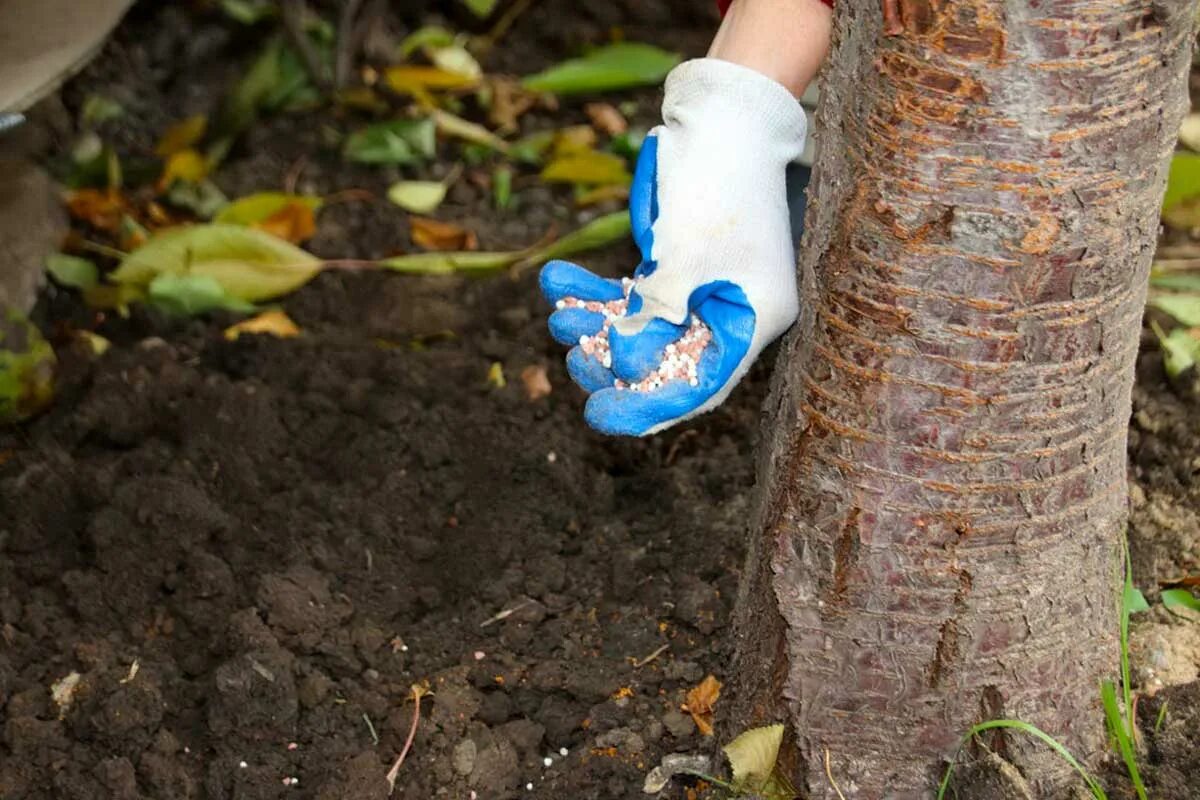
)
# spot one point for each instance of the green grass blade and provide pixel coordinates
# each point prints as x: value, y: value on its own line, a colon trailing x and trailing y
x: 1108, y: 695
x: 1024, y: 727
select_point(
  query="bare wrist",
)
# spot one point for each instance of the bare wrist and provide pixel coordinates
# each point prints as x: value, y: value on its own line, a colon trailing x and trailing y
x: 786, y: 40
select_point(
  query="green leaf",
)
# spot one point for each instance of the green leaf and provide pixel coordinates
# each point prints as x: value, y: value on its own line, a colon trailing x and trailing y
x: 1183, y: 180
x: 1180, y: 599
x: 752, y: 756
x: 399, y: 141
x: 1123, y: 735
x: 248, y: 12
x: 590, y: 167
x: 605, y: 69
x: 249, y: 264
x: 598, y: 233
x: 481, y: 8
x: 1181, y: 350
x: 443, y: 263
x: 73, y: 271
x: 203, y: 198
x: 276, y: 79
x: 185, y: 295
x: 419, y: 197
x: 27, y: 365
x: 98, y: 108
x: 502, y: 187
x: 1183, y: 307
x: 1178, y: 281
x: 425, y: 36
x: 1134, y: 600
x: 1034, y: 731
x: 532, y: 148
x: 258, y: 206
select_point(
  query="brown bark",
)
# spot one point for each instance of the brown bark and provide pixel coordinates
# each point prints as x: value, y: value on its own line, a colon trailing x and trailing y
x: 943, y: 474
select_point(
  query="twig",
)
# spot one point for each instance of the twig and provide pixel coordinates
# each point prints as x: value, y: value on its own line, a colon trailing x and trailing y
x: 293, y: 13
x: 829, y: 774
x: 412, y: 734
x: 644, y: 661
x: 292, y: 176
x: 505, y: 614
x: 343, y: 57
x: 493, y: 36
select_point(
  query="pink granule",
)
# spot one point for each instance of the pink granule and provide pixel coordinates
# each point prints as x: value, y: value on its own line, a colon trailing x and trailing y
x: 680, y: 359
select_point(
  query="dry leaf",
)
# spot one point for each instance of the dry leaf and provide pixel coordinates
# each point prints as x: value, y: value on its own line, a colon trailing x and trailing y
x: 573, y: 140
x: 537, y: 384
x: 606, y: 119
x: 294, y: 223
x: 701, y: 699
x: 100, y: 208
x: 271, y: 323
x: 182, y: 135
x: 62, y: 692
x: 432, y: 234
x: 509, y: 102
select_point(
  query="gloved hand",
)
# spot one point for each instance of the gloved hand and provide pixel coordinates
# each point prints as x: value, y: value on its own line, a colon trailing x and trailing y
x: 717, y: 282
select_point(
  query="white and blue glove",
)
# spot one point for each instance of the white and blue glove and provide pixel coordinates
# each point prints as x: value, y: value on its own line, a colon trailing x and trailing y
x: 717, y: 282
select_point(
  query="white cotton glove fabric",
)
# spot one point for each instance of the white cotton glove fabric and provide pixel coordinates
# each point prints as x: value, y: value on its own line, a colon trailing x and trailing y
x: 727, y: 138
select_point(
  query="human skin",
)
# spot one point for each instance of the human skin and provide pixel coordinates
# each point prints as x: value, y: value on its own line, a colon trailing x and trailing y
x: 786, y: 40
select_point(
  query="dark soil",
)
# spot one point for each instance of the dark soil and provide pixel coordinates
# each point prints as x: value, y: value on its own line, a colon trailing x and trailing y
x: 250, y: 551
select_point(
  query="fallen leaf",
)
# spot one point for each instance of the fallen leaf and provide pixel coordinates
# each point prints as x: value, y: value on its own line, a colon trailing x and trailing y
x: 185, y: 295
x: 401, y: 141
x: 1179, y: 281
x: 509, y: 101
x: 590, y: 167
x: 185, y: 165
x: 609, y: 68
x: 272, y: 323
x: 98, y: 108
x: 1181, y: 350
x: 536, y: 383
x: 601, y: 194
x: 100, y: 208
x: 27, y: 365
x: 411, y: 80
x: 72, y: 271
x: 432, y: 234
x: 436, y: 263
x: 131, y: 234
x: 460, y: 128
x: 249, y: 12
x: 203, y: 198
x: 419, y: 197
x: 455, y: 58
x: 495, y: 375
x: 293, y: 223
x: 95, y: 343
x: 1189, y: 131
x: 1183, y: 180
x: 573, y: 140
x: 1183, y: 307
x: 481, y: 8
x: 262, y: 205
x: 752, y: 757
x: 425, y: 36
x: 1179, y: 599
x: 701, y: 700
x: 606, y: 118
x: 502, y: 187
x: 249, y: 264
x: 113, y: 298
x: 62, y: 691
x: 182, y: 135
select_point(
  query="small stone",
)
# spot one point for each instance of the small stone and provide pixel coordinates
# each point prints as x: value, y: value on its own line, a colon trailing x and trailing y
x: 464, y: 757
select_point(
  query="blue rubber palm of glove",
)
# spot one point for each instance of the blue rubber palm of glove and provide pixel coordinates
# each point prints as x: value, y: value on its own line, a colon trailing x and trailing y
x: 721, y: 305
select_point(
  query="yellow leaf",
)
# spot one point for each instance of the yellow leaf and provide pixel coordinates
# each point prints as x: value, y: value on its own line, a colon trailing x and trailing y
x: 701, y: 700
x: 182, y: 135
x: 574, y: 139
x: 184, y: 165
x: 272, y: 323
x: 590, y: 167
x: 409, y: 80
x: 419, y: 197
x: 458, y: 127
x: 602, y: 193
x: 455, y: 58
x: 495, y: 375
x: 752, y: 757
x: 432, y: 234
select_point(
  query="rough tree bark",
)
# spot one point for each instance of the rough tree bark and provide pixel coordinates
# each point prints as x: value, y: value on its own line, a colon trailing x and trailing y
x: 943, y: 472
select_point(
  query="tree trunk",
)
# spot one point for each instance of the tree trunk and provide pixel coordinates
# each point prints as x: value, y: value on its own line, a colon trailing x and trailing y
x: 943, y: 471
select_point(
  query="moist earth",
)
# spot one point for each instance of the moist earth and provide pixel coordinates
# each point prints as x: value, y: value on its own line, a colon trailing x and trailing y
x: 247, y: 553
